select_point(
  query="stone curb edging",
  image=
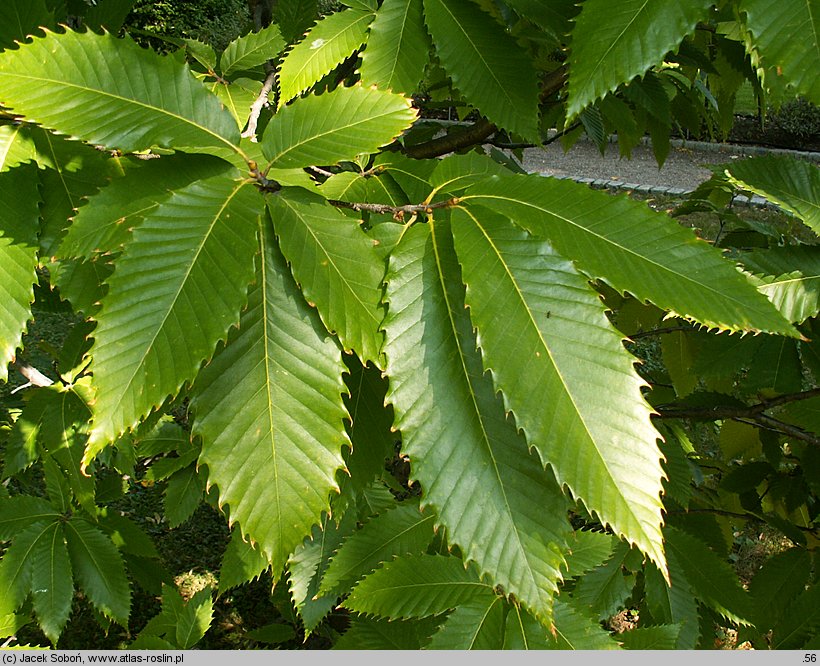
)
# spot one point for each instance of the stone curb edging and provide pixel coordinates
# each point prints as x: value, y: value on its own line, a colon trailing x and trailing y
x: 708, y: 147
x: 604, y: 184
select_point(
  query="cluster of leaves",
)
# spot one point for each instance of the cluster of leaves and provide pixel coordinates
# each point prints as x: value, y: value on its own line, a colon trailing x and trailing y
x: 277, y: 282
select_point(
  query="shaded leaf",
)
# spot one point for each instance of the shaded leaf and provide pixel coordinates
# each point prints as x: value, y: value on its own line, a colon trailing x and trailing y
x: 52, y: 584
x: 792, y: 184
x: 477, y: 624
x: 661, y: 637
x: 183, y: 495
x: 774, y: 27
x: 105, y: 225
x: 15, y: 567
x: 307, y: 566
x: 98, y: 569
x: 21, y: 18
x: 241, y: 563
x: 712, y: 580
x: 19, y: 225
x: 404, y: 530
x: 195, y: 619
x: 614, y: 44
x: 416, y: 587
x: 367, y: 633
x: 790, y: 277
x: 486, y: 64
x: 397, y: 47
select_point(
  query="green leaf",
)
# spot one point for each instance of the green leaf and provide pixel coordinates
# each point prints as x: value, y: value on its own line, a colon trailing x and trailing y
x: 111, y: 92
x: 614, y: 44
x: 195, y: 619
x: 15, y: 567
x: 273, y: 633
x: 577, y: 630
x: 183, y: 495
x: 417, y: 586
x: 251, y: 50
x: 269, y: 410
x: 605, y: 589
x: 403, y: 530
x: 398, y: 47
x: 58, y: 419
x: 371, y: 423
x: 326, y: 45
x: 587, y: 550
x: 16, y: 146
x: 106, y: 224
x: 633, y: 249
x: 126, y: 535
x: 108, y: 14
x: 477, y: 624
x: 237, y: 96
x: 166, y: 310
x: 20, y: 511
x: 241, y: 563
x: 295, y: 17
x: 712, y: 580
x: 52, y: 583
x: 367, y: 633
x: 661, y: 637
x: 98, y: 569
x: 326, y: 129
x: 555, y: 17
x: 673, y: 604
x: 776, y: 28
x: 19, y: 224
x: 486, y: 64
x: 780, y: 580
x: 599, y: 449
x: 574, y: 629
x: 792, y: 184
x: 21, y: 18
x: 457, y: 172
x: 455, y: 432
x: 307, y: 566
x: 790, y: 277
x: 337, y: 268
x: 524, y: 632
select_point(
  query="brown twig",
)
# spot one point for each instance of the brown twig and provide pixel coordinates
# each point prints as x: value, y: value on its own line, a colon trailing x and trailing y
x: 259, y: 103
x: 398, y: 212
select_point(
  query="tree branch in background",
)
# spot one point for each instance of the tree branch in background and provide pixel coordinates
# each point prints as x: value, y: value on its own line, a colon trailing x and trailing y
x: 752, y: 415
